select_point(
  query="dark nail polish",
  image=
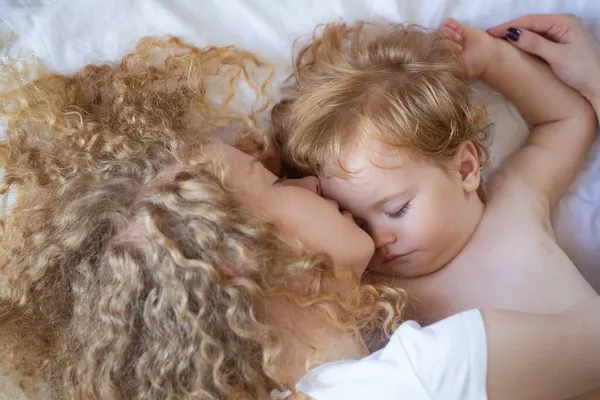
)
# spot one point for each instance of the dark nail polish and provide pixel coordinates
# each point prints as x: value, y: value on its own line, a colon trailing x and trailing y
x: 513, y: 34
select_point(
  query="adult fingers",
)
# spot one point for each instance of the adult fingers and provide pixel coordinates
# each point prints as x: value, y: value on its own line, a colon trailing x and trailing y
x: 533, y: 43
x: 551, y: 26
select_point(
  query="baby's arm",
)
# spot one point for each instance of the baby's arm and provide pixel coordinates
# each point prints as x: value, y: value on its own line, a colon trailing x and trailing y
x: 563, y: 122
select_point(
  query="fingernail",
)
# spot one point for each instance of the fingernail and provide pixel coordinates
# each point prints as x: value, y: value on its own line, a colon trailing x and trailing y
x: 513, y: 34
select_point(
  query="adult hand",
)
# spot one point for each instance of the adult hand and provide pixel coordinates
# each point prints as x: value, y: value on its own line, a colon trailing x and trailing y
x: 564, y: 44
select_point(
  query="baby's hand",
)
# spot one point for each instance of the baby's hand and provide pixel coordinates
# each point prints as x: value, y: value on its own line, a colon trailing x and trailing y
x: 254, y: 145
x: 473, y: 46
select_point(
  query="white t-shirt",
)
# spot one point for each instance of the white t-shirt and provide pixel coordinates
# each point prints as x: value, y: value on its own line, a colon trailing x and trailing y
x: 445, y: 361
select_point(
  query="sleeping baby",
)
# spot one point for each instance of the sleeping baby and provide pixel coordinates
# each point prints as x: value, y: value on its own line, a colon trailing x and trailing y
x: 382, y: 115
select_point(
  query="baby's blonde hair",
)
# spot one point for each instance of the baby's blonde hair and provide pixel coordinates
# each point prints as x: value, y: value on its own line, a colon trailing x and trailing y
x: 130, y: 269
x: 394, y: 83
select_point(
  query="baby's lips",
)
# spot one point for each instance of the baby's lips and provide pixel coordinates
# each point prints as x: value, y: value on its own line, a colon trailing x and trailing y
x: 389, y: 257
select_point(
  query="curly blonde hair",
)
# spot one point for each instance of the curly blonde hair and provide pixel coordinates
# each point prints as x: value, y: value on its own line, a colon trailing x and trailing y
x: 116, y: 258
x: 395, y: 83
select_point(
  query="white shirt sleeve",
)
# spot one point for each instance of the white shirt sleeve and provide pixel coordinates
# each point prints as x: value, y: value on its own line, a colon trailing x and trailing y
x: 446, y: 361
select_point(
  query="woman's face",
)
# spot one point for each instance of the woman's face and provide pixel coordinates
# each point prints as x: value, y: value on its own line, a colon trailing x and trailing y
x: 296, y: 207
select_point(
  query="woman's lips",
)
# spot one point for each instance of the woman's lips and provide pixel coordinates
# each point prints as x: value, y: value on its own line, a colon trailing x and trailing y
x: 333, y: 202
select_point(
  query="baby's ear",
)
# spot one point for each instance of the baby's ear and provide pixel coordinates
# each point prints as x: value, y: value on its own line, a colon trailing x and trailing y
x: 466, y: 162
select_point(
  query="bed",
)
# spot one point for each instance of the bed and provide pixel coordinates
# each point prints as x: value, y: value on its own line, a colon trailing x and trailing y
x: 67, y: 34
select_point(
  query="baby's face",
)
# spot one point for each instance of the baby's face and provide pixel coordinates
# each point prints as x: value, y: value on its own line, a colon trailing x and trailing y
x: 415, y: 210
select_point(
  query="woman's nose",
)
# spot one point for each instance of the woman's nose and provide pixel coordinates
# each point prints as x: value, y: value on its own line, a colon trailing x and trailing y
x: 308, y: 182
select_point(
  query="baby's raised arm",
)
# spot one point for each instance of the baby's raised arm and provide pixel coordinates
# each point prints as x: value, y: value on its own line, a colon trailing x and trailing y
x: 563, y: 122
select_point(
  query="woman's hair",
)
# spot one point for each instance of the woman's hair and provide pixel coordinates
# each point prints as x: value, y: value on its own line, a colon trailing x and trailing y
x: 130, y: 269
x: 394, y: 83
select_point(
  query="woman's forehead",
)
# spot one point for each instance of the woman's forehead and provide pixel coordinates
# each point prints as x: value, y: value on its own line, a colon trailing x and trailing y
x: 226, y: 153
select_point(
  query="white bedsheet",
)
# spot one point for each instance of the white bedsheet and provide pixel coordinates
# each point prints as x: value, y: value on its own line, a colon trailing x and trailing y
x: 68, y: 34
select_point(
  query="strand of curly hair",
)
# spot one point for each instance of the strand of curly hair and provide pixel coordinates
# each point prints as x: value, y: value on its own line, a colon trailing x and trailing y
x: 114, y: 257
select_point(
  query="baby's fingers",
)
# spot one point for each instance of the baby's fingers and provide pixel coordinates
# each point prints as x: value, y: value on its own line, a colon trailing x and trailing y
x: 451, y: 33
x: 454, y: 38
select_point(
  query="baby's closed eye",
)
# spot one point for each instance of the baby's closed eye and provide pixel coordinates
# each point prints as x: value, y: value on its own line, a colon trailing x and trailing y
x: 398, y: 213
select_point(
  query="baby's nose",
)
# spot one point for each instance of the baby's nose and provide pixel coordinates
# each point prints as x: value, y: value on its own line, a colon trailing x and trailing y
x: 382, y: 238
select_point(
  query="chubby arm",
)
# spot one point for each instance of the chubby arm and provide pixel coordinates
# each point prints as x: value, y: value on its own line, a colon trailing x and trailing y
x: 564, y: 124
x: 543, y: 356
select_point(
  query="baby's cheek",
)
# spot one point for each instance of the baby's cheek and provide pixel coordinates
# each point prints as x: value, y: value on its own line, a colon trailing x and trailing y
x: 427, y: 228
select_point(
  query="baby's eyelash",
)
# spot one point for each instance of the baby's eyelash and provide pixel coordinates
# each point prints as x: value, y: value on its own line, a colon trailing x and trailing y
x: 399, y: 213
